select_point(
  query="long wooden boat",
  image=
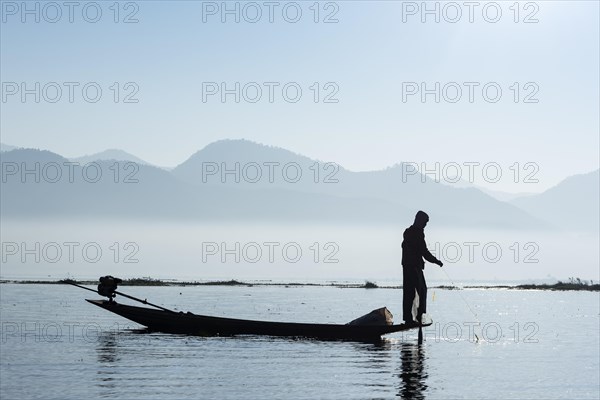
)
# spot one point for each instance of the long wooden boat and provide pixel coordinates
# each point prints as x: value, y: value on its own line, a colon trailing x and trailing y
x: 188, y: 323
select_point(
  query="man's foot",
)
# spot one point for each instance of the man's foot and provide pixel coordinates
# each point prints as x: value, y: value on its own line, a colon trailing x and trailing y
x: 411, y: 323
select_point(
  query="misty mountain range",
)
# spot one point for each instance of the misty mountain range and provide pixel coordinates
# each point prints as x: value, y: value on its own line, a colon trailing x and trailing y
x: 272, y: 184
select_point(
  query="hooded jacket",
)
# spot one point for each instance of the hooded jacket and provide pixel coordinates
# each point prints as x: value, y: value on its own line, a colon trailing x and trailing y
x: 414, y: 248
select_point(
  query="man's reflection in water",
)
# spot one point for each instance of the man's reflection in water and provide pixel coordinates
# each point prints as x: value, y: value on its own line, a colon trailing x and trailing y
x: 413, y: 374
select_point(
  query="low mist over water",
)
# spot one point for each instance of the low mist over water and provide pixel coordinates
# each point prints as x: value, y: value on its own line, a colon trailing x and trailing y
x: 194, y: 251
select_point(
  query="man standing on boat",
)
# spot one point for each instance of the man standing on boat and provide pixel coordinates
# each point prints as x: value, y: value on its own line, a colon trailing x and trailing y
x: 414, y: 249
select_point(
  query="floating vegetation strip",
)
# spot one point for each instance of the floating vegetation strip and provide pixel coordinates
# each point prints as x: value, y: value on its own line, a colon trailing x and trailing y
x: 573, y: 284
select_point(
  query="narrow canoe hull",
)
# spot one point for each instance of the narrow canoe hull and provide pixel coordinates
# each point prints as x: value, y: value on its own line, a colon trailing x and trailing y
x: 188, y: 323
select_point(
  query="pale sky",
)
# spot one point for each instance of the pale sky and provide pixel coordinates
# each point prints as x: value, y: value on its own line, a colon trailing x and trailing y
x: 370, y: 58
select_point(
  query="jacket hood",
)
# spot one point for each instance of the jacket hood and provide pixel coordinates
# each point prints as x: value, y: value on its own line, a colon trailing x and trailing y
x: 421, y: 219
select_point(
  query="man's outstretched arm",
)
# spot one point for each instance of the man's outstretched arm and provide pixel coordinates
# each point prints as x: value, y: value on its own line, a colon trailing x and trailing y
x: 427, y: 254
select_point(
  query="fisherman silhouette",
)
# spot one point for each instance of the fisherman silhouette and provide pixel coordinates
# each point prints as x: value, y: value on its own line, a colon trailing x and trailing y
x: 414, y: 249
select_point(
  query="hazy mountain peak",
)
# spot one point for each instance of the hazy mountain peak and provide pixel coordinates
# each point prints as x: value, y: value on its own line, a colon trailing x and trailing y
x: 572, y: 204
x: 110, y: 154
x: 236, y: 146
x: 243, y: 151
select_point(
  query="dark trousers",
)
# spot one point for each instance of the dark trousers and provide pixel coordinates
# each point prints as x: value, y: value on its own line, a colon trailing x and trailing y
x: 413, y: 281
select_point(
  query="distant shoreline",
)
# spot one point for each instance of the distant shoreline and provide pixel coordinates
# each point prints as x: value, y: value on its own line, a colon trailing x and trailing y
x: 559, y: 286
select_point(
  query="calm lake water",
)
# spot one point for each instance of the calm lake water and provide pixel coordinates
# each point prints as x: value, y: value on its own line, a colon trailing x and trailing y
x: 533, y: 344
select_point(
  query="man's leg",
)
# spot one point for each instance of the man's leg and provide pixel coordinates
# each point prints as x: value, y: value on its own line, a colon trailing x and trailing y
x: 422, y: 290
x: 409, y: 285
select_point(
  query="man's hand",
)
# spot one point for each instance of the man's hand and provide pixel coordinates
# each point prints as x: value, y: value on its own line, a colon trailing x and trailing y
x: 441, y: 264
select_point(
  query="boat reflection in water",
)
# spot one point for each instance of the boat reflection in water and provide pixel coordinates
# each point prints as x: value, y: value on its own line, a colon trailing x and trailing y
x: 108, y: 353
x: 107, y: 347
x: 413, y: 373
x: 385, y: 368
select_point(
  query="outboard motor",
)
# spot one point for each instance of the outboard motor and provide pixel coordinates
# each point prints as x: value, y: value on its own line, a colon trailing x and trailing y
x: 108, y: 286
